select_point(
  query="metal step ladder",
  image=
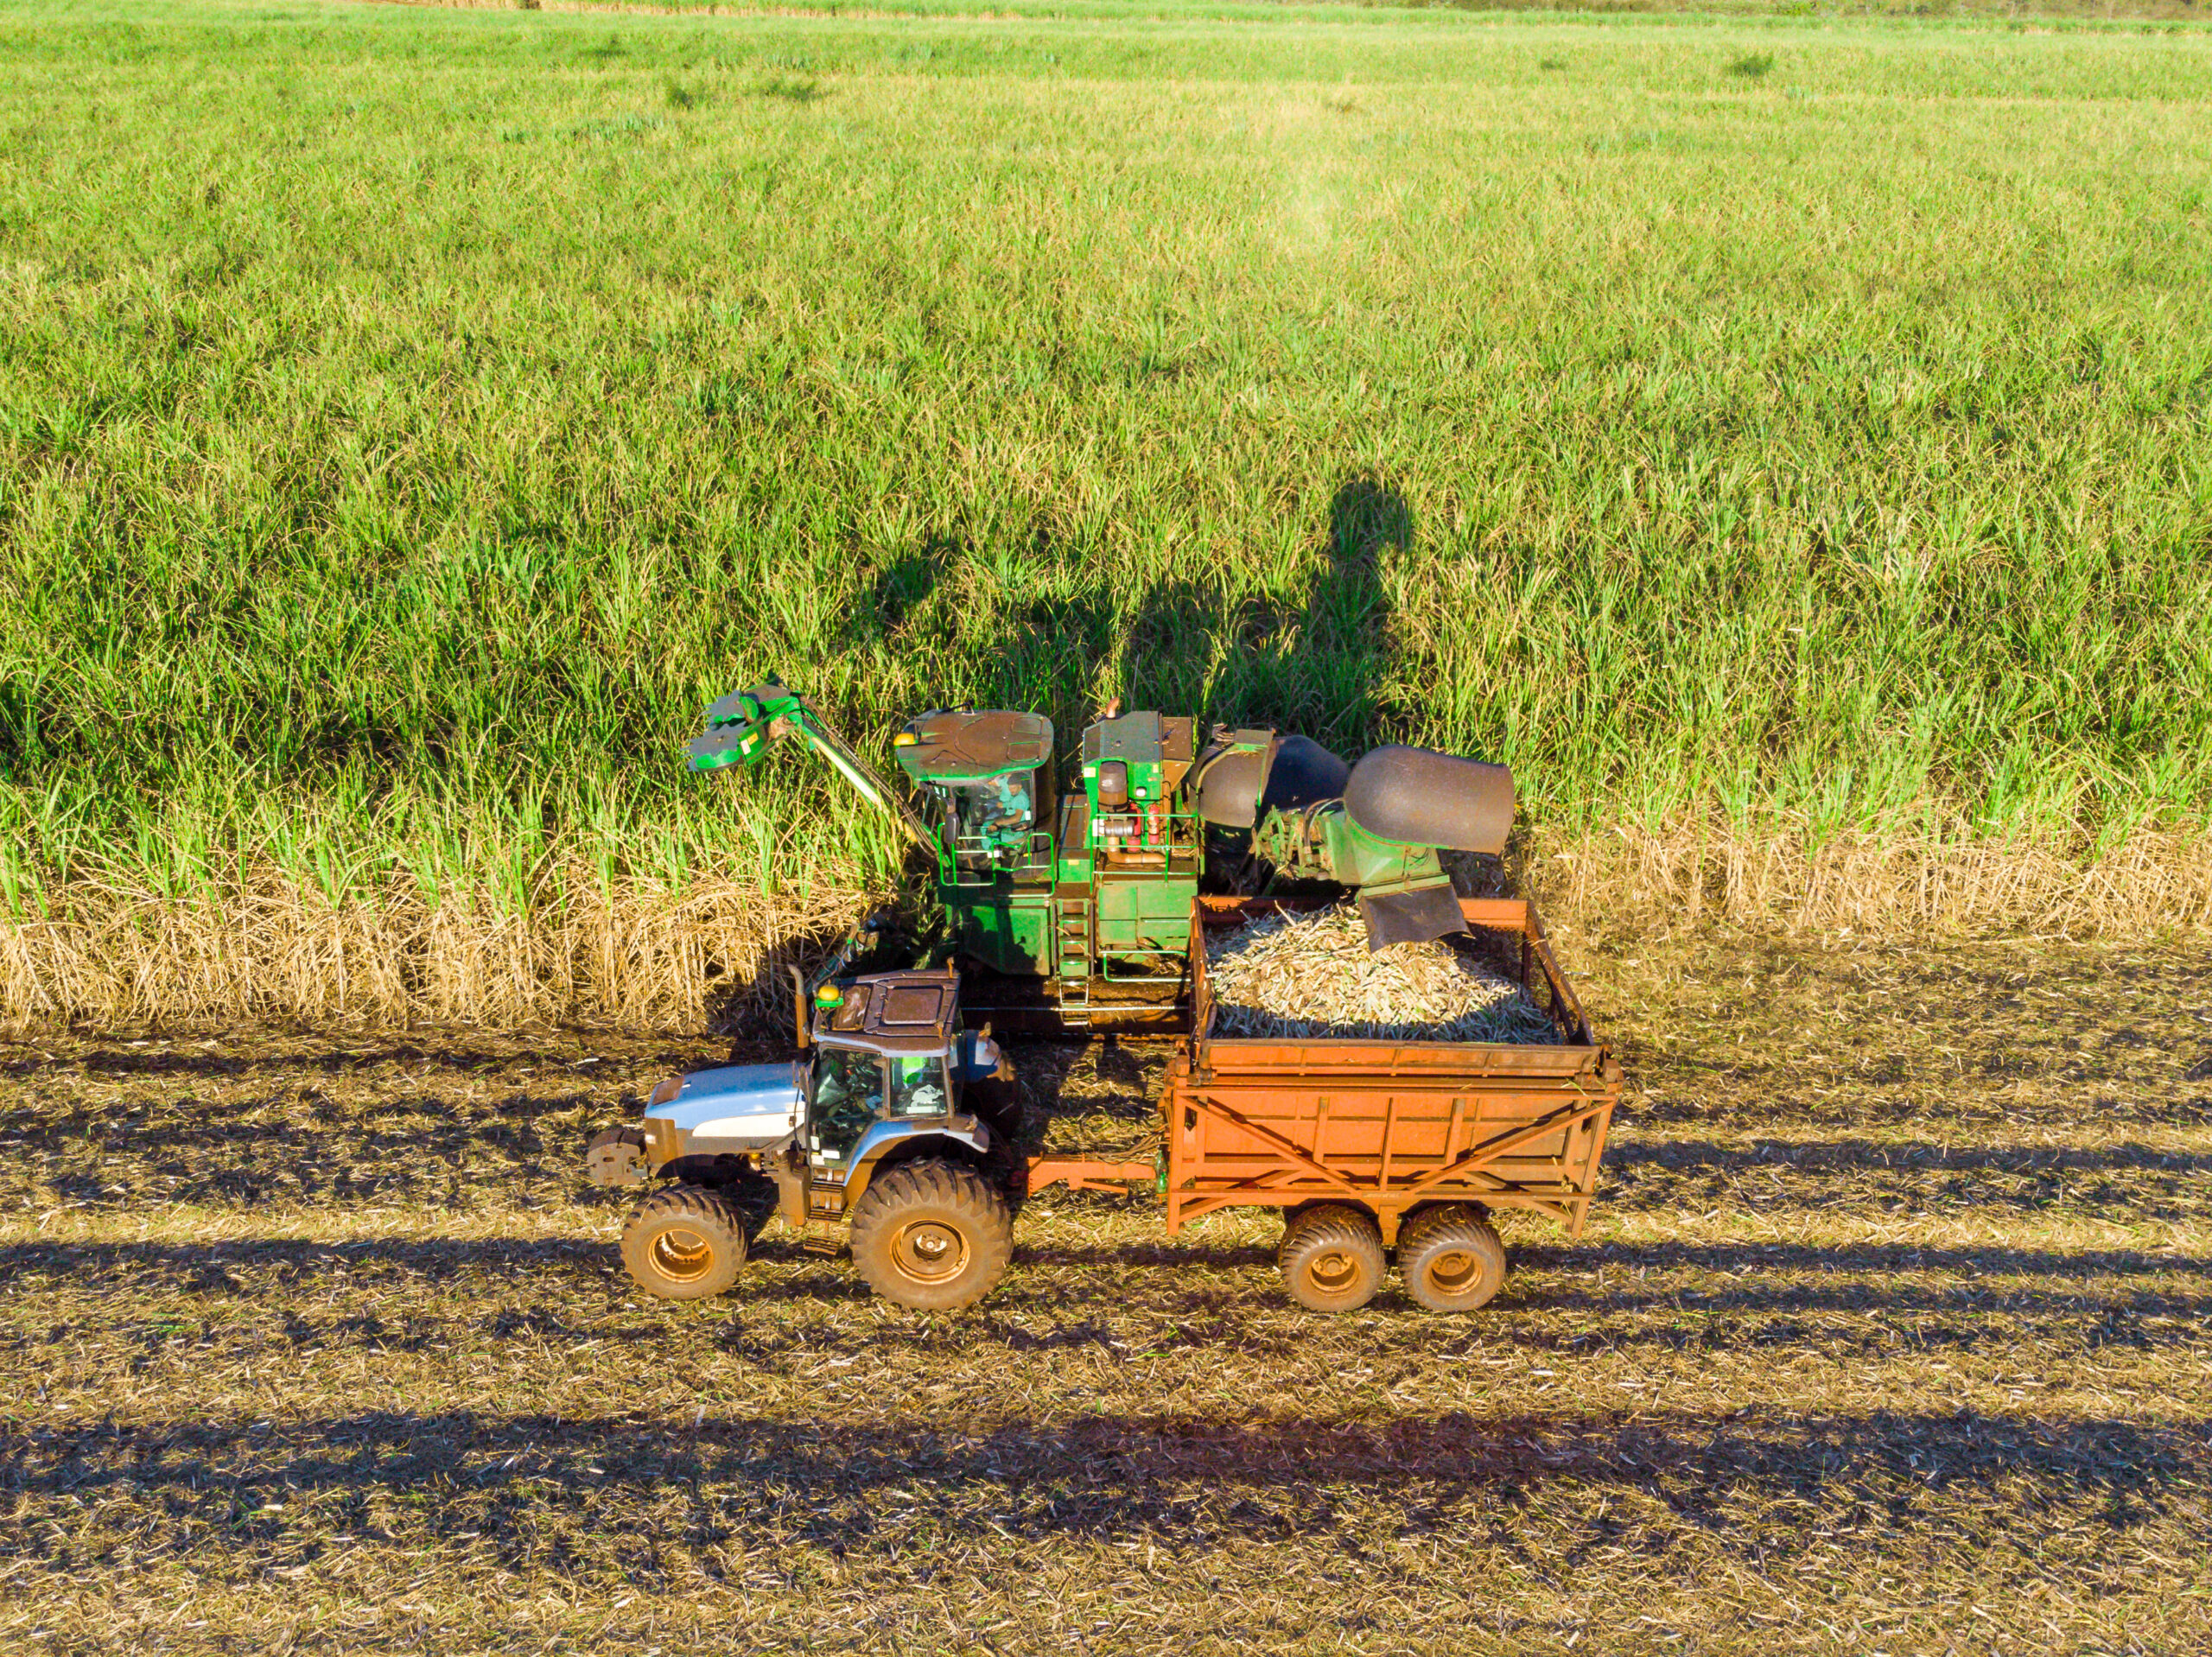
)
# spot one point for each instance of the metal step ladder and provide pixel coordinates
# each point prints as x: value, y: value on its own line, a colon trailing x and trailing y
x: 1072, y: 956
x: 822, y: 1237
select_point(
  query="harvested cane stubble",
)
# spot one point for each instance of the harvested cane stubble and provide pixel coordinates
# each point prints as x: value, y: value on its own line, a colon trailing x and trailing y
x: 1311, y: 976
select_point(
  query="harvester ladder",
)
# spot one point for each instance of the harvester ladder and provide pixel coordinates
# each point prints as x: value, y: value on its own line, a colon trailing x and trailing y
x: 1072, y: 954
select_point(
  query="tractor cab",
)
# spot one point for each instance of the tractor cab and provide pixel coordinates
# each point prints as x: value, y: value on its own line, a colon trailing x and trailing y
x: 885, y: 1069
x: 987, y: 781
x: 888, y: 1060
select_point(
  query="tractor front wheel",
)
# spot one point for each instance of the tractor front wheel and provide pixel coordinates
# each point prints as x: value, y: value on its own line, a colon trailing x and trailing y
x: 931, y: 1234
x: 685, y: 1243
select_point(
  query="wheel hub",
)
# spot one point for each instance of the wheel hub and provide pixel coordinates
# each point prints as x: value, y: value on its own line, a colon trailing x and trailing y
x: 1453, y: 1271
x: 1334, y: 1269
x: 682, y: 1255
x: 929, y: 1251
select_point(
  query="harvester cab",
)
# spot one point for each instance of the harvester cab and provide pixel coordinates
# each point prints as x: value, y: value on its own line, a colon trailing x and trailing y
x: 895, y: 1125
x: 1378, y: 827
x: 987, y: 781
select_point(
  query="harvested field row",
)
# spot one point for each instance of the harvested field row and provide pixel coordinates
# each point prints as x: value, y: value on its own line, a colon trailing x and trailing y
x: 1527, y: 1534
x: 528, y: 1314
x: 1782, y: 1377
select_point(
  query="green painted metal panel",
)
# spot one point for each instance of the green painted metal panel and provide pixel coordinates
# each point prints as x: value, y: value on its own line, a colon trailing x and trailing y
x: 1152, y: 912
x: 1006, y: 929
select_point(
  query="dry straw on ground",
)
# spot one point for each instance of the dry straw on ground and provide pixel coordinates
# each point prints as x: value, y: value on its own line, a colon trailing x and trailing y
x: 642, y: 955
x: 1314, y: 975
x: 629, y: 953
x: 1889, y: 881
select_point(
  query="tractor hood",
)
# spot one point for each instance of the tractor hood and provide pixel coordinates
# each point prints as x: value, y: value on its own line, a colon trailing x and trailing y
x: 738, y: 1108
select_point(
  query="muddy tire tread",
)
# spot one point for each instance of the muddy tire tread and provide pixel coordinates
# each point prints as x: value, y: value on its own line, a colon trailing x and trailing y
x: 711, y: 1210
x: 1454, y: 1226
x: 949, y: 1188
x: 1331, y: 1225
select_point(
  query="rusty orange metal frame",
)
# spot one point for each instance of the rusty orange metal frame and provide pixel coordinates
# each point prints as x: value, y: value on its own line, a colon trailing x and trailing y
x: 1390, y: 1125
x: 1080, y: 1175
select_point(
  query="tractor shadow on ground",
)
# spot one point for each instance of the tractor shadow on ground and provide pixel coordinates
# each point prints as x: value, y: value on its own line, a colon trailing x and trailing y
x: 1701, y: 1298
x: 1109, y: 1076
x: 1111, y: 1474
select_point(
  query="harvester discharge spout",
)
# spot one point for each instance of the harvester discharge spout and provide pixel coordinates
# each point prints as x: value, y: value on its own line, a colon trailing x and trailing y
x: 1378, y: 827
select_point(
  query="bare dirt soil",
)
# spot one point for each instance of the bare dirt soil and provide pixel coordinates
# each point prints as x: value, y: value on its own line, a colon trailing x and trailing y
x: 1888, y: 1336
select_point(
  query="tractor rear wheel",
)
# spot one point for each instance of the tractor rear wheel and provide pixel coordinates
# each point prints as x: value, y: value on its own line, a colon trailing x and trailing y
x: 1452, y: 1258
x: 685, y: 1243
x: 1332, y: 1258
x: 931, y: 1234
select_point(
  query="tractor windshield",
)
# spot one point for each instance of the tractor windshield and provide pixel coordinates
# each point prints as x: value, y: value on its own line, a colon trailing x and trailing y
x: 917, y: 1086
x: 848, y: 1092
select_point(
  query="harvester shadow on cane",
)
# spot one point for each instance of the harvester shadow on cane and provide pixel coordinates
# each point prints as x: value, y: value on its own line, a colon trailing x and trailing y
x: 1077, y: 901
x: 1311, y: 664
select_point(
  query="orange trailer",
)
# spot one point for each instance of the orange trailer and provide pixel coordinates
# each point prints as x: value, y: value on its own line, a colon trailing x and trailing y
x: 1369, y: 1145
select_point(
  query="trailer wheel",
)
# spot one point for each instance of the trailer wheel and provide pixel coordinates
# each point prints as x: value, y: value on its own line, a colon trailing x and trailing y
x: 931, y: 1234
x: 1332, y: 1258
x: 1452, y: 1259
x: 685, y: 1242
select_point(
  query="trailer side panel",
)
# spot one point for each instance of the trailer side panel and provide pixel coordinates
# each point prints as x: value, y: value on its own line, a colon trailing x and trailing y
x: 1392, y: 1126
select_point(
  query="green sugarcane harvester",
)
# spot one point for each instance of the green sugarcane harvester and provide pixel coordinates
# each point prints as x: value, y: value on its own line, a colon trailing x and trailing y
x: 1091, y: 890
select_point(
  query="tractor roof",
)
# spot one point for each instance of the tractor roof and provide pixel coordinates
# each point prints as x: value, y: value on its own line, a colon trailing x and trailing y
x: 894, y: 1012
x: 968, y: 747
